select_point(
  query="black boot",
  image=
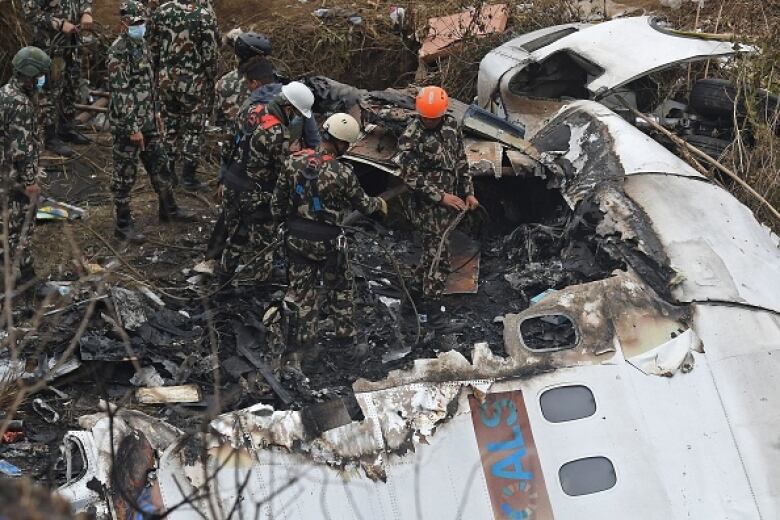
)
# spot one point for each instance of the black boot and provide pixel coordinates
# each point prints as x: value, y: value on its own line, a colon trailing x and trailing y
x: 125, y: 230
x: 28, y: 282
x: 172, y: 172
x: 55, y: 144
x: 26, y: 274
x: 169, y: 211
x: 68, y: 133
x: 189, y: 181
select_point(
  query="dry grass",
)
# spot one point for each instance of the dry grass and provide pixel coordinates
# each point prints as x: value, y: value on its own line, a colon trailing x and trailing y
x: 376, y: 55
x: 755, y: 156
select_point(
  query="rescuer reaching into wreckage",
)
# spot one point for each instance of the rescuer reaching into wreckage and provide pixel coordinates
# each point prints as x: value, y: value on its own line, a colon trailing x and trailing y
x: 433, y: 164
x: 184, y: 46
x: 310, y: 198
x: 135, y: 124
x: 19, y: 159
x: 58, y: 29
x: 250, y: 174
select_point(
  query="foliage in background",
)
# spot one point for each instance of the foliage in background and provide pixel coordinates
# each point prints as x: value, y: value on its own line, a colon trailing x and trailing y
x: 375, y: 55
x: 755, y: 155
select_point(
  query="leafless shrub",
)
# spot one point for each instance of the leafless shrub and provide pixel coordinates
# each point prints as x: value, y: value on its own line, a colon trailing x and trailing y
x: 755, y: 155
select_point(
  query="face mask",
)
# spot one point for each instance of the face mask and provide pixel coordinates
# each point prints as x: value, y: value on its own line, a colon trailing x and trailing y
x: 40, y: 81
x: 137, y: 31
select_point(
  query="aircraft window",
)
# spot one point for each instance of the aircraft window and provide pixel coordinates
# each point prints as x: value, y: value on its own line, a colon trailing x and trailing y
x: 567, y: 403
x: 549, y: 332
x: 587, y: 476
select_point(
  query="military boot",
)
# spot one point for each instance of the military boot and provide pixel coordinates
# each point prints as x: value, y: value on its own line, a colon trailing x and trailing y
x: 55, y: 144
x: 172, y: 172
x: 125, y: 229
x: 26, y: 274
x: 68, y: 133
x: 189, y: 180
x: 169, y: 211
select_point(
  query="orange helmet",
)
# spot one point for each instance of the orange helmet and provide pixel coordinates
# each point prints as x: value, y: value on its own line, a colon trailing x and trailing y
x: 432, y: 102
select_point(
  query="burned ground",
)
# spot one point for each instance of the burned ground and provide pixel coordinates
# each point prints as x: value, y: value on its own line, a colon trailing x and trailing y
x: 530, y: 242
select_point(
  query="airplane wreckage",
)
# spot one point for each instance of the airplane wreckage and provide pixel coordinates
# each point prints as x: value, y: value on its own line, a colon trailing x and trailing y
x: 646, y: 386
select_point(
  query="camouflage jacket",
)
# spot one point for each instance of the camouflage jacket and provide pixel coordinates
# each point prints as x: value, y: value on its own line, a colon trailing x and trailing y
x: 47, y: 15
x: 183, y: 41
x: 18, y: 134
x: 230, y: 93
x: 433, y: 162
x: 264, y: 146
x: 131, y: 83
x: 317, y: 186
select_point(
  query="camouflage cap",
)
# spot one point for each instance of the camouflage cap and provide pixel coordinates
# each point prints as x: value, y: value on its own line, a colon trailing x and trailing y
x: 133, y: 10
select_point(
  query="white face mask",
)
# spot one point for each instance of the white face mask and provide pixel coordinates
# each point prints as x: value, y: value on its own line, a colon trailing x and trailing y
x: 40, y: 81
x: 137, y: 32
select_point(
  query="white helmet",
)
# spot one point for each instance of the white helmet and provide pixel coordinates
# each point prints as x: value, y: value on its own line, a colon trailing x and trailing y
x: 299, y: 96
x: 343, y: 127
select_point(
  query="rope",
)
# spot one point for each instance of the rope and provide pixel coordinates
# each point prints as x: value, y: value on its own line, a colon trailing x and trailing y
x: 440, y: 249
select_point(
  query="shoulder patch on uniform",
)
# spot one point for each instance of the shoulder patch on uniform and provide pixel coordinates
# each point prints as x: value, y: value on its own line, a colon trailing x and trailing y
x: 304, y: 152
x: 269, y: 121
x: 255, y: 112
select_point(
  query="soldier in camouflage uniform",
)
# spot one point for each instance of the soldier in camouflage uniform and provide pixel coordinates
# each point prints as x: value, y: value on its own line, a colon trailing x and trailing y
x: 231, y: 90
x: 311, y: 197
x: 57, y: 27
x: 135, y: 124
x: 433, y: 165
x: 19, y: 157
x: 184, y: 46
x: 250, y: 175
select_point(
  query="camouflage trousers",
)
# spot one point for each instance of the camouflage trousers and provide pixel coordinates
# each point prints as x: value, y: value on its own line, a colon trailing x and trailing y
x: 249, y: 230
x: 184, y: 119
x: 61, y: 92
x: 431, y: 222
x: 305, y: 276
x: 20, y: 233
x: 126, y: 156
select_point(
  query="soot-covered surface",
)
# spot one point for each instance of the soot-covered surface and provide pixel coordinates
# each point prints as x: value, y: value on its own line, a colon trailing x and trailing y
x: 530, y: 242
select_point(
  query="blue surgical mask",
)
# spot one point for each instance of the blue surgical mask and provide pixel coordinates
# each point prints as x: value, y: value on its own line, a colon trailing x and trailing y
x: 137, y: 32
x: 40, y: 81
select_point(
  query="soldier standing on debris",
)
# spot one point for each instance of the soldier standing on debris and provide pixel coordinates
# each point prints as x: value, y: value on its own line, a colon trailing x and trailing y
x: 58, y: 26
x: 231, y: 90
x: 310, y: 198
x: 250, y: 174
x: 135, y: 124
x: 184, y: 46
x: 250, y: 49
x: 230, y: 94
x: 19, y: 159
x: 433, y: 165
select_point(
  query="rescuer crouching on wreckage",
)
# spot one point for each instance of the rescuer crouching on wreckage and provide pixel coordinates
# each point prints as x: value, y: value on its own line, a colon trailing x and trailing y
x: 310, y: 199
x: 433, y: 164
x: 250, y: 174
x: 135, y: 124
x: 19, y: 159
